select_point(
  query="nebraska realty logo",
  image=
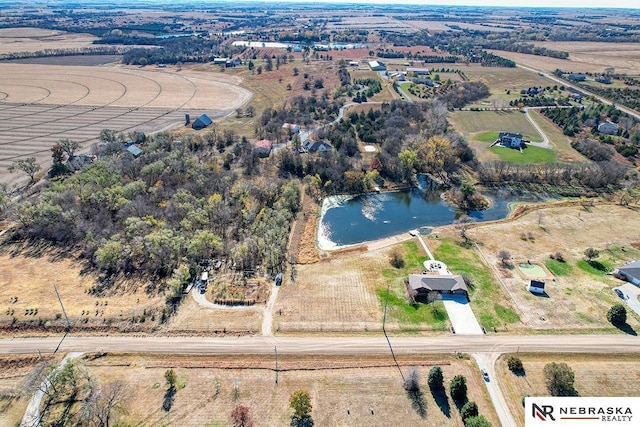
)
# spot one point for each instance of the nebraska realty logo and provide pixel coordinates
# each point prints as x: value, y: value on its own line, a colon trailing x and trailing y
x: 582, y: 411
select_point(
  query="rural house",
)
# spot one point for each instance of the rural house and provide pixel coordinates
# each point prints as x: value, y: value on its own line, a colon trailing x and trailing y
x: 536, y: 287
x: 511, y: 140
x: 630, y: 272
x: 291, y: 128
x: 423, y: 284
x: 315, y: 146
x: 263, y: 148
x: 201, y: 122
x: 608, y: 128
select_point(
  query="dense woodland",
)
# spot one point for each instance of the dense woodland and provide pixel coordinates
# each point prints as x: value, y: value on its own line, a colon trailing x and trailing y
x: 158, y: 216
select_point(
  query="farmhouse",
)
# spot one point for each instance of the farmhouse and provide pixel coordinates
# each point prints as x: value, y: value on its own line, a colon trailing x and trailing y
x: 508, y: 139
x: 263, y: 147
x: 201, y: 122
x: 79, y: 162
x: 536, y: 287
x: 608, y: 128
x: 630, y: 271
x: 314, y: 146
x: 354, y: 63
x: 423, y: 284
x: 604, y: 79
x: 377, y: 66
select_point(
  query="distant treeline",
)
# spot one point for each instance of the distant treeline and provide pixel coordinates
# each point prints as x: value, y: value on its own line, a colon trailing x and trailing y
x: 98, y: 50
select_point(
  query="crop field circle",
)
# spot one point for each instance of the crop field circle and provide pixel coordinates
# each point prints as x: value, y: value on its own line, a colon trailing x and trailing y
x: 41, y: 104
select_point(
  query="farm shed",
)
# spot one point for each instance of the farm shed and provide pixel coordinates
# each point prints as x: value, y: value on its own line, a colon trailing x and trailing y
x: 536, y: 287
x: 443, y: 284
x: 377, y: 66
x: 418, y: 71
x: 134, y: 149
x: 631, y: 272
x: 201, y: 122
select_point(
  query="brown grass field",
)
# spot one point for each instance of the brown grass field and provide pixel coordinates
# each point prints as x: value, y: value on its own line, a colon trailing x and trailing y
x: 595, y: 375
x: 344, y: 390
x: 561, y: 142
x: 19, y: 375
x: 40, y: 104
x: 575, y: 301
x: 583, y: 57
x: 334, y: 295
x: 34, y: 39
x: 31, y: 280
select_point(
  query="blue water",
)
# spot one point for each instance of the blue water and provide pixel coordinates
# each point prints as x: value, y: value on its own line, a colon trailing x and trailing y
x: 374, y: 216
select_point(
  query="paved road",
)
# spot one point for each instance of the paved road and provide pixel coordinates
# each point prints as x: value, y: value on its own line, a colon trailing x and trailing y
x: 327, y: 345
x: 545, y: 140
x: 31, y: 416
x: 487, y: 361
x: 629, y: 111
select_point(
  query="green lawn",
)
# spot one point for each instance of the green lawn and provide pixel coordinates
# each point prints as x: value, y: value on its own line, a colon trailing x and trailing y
x: 492, y: 136
x: 531, y: 154
x: 558, y: 268
x: 595, y: 267
x: 410, y: 317
x: 488, y: 302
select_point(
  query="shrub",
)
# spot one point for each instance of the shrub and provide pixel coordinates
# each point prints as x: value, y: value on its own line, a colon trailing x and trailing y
x: 617, y: 314
x: 412, y: 380
x: 514, y: 363
x: 559, y: 378
x: 470, y: 409
x: 458, y: 388
x: 395, y: 259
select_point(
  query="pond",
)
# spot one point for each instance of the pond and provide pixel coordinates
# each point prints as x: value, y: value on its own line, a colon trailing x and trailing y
x: 350, y: 220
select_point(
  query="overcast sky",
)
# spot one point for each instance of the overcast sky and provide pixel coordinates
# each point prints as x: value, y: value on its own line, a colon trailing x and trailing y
x: 630, y: 4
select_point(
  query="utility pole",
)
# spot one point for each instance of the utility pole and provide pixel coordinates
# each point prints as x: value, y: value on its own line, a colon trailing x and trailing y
x: 61, y: 305
x: 275, y: 349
